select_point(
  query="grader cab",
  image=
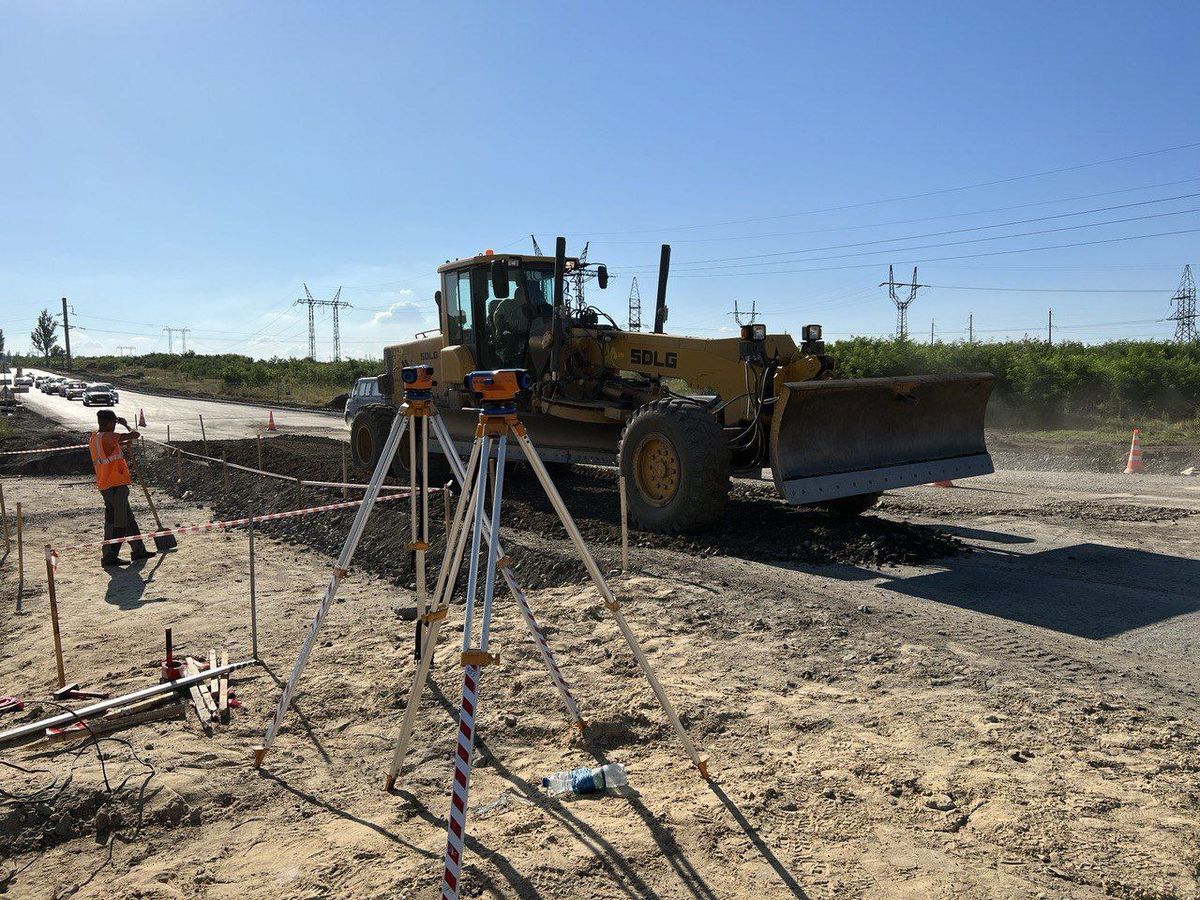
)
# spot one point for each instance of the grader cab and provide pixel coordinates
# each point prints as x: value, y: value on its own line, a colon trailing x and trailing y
x: 679, y: 415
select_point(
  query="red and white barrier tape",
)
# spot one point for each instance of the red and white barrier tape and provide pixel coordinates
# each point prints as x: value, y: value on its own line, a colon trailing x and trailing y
x: 43, y: 450
x: 52, y: 554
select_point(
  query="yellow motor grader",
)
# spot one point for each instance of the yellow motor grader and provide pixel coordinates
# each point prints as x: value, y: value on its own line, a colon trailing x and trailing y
x: 679, y: 415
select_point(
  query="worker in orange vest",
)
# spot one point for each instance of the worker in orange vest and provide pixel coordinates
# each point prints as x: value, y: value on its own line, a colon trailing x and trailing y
x: 113, y: 481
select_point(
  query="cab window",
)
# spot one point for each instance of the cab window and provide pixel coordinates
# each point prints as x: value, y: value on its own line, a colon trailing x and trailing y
x: 460, y: 317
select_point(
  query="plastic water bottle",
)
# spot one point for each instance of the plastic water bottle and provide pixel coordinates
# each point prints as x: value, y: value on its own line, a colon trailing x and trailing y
x: 586, y: 781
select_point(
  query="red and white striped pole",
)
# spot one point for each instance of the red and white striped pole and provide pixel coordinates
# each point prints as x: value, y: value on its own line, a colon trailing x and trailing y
x: 473, y: 660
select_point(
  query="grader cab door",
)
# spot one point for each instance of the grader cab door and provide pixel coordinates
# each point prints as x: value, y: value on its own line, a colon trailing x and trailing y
x: 495, y: 329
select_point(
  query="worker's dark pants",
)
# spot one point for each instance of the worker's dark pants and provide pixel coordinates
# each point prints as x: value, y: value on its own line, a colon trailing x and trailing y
x: 119, y: 522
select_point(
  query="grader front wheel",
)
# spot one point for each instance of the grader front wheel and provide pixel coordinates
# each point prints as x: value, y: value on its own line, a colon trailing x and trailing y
x: 676, y: 466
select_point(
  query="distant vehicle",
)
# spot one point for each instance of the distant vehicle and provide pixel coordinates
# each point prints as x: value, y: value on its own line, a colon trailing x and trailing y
x: 39, y: 380
x: 50, y: 384
x: 22, y: 383
x: 100, y: 395
x: 75, y: 390
x: 366, y: 390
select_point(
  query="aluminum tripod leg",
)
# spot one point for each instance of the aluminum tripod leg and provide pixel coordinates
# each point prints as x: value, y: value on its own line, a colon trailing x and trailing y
x: 535, y: 631
x: 610, y: 602
x: 456, y: 540
x: 418, y: 504
x: 473, y: 662
x: 340, y: 570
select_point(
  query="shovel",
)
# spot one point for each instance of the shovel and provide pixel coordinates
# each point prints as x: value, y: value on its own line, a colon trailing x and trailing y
x: 162, y: 542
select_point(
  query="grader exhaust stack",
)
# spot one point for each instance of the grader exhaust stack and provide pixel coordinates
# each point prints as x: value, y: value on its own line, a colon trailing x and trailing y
x: 841, y: 438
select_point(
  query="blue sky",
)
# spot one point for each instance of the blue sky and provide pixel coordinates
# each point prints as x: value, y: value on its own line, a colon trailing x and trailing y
x: 186, y: 164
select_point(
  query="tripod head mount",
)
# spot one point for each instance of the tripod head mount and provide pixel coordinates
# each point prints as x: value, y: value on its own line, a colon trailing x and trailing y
x: 418, y: 382
x: 498, y: 390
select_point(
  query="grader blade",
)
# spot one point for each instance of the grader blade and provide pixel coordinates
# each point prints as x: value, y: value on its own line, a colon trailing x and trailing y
x: 839, y: 438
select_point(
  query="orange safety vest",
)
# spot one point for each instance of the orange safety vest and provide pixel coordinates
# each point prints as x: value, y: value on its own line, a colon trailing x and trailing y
x: 111, y: 470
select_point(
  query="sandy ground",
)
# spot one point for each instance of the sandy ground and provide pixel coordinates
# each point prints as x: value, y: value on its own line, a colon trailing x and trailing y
x: 1016, y: 722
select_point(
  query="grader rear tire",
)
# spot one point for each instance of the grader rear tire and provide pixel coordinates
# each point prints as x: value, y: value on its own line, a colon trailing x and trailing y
x: 676, y: 466
x: 368, y: 434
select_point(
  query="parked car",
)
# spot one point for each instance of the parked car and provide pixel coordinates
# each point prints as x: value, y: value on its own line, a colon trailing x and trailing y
x: 100, y: 395
x: 366, y: 390
x: 75, y: 390
x: 52, y: 385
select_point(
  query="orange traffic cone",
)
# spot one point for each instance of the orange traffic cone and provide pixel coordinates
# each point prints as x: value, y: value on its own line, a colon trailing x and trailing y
x: 1134, y: 466
x: 270, y: 420
x: 141, y: 418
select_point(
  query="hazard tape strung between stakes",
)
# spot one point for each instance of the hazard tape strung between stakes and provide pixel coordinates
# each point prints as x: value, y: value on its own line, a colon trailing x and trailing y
x: 53, y: 554
x: 289, y: 478
x: 43, y: 450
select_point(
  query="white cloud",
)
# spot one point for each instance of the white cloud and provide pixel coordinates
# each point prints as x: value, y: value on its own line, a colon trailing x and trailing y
x: 400, y: 307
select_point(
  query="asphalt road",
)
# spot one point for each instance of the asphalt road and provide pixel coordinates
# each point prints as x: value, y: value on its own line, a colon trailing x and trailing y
x: 222, y: 419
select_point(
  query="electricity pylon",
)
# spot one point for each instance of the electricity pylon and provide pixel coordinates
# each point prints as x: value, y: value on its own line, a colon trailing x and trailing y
x: 336, y: 304
x: 902, y: 303
x: 1185, y: 309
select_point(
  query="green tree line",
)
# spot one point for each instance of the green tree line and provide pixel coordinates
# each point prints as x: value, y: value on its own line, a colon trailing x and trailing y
x: 1064, y: 385
x: 237, y: 371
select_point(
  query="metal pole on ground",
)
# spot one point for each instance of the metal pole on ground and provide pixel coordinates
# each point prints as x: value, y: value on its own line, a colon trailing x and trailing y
x: 253, y: 598
x: 58, y: 656
x: 624, y: 525
x: 168, y: 432
x: 447, y: 497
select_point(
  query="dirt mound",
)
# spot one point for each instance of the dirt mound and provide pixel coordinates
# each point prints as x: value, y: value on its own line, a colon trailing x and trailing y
x: 758, y: 526
x: 30, y: 431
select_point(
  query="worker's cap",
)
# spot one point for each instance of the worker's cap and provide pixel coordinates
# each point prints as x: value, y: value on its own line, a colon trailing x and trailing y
x: 105, y: 415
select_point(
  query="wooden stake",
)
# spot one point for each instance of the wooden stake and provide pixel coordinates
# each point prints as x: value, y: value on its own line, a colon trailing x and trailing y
x: 4, y: 516
x: 225, y: 470
x: 253, y: 599
x: 168, y: 432
x: 203, y: 436
x: 58, y: 656
x: 345, y: 475
x: 260, y: 461
x: 624, y: 525
x: 223, y: 690
x: 20, y: 559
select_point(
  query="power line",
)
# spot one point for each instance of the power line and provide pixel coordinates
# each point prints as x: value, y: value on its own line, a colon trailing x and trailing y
x: 959, y: 215
x: 701, y: 265
x: 929, y: 259
x: 951, y: 190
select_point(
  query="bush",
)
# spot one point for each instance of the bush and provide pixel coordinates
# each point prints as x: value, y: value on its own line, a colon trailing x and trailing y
x: 1038, y: 385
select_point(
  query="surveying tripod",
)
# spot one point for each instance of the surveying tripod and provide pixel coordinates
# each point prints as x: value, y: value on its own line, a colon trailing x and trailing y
x: 418, y: 407
x: 497, y: 392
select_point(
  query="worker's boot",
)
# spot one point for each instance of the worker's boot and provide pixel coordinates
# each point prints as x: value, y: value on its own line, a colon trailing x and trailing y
x: 109, y: 556
x: 139, y: 551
